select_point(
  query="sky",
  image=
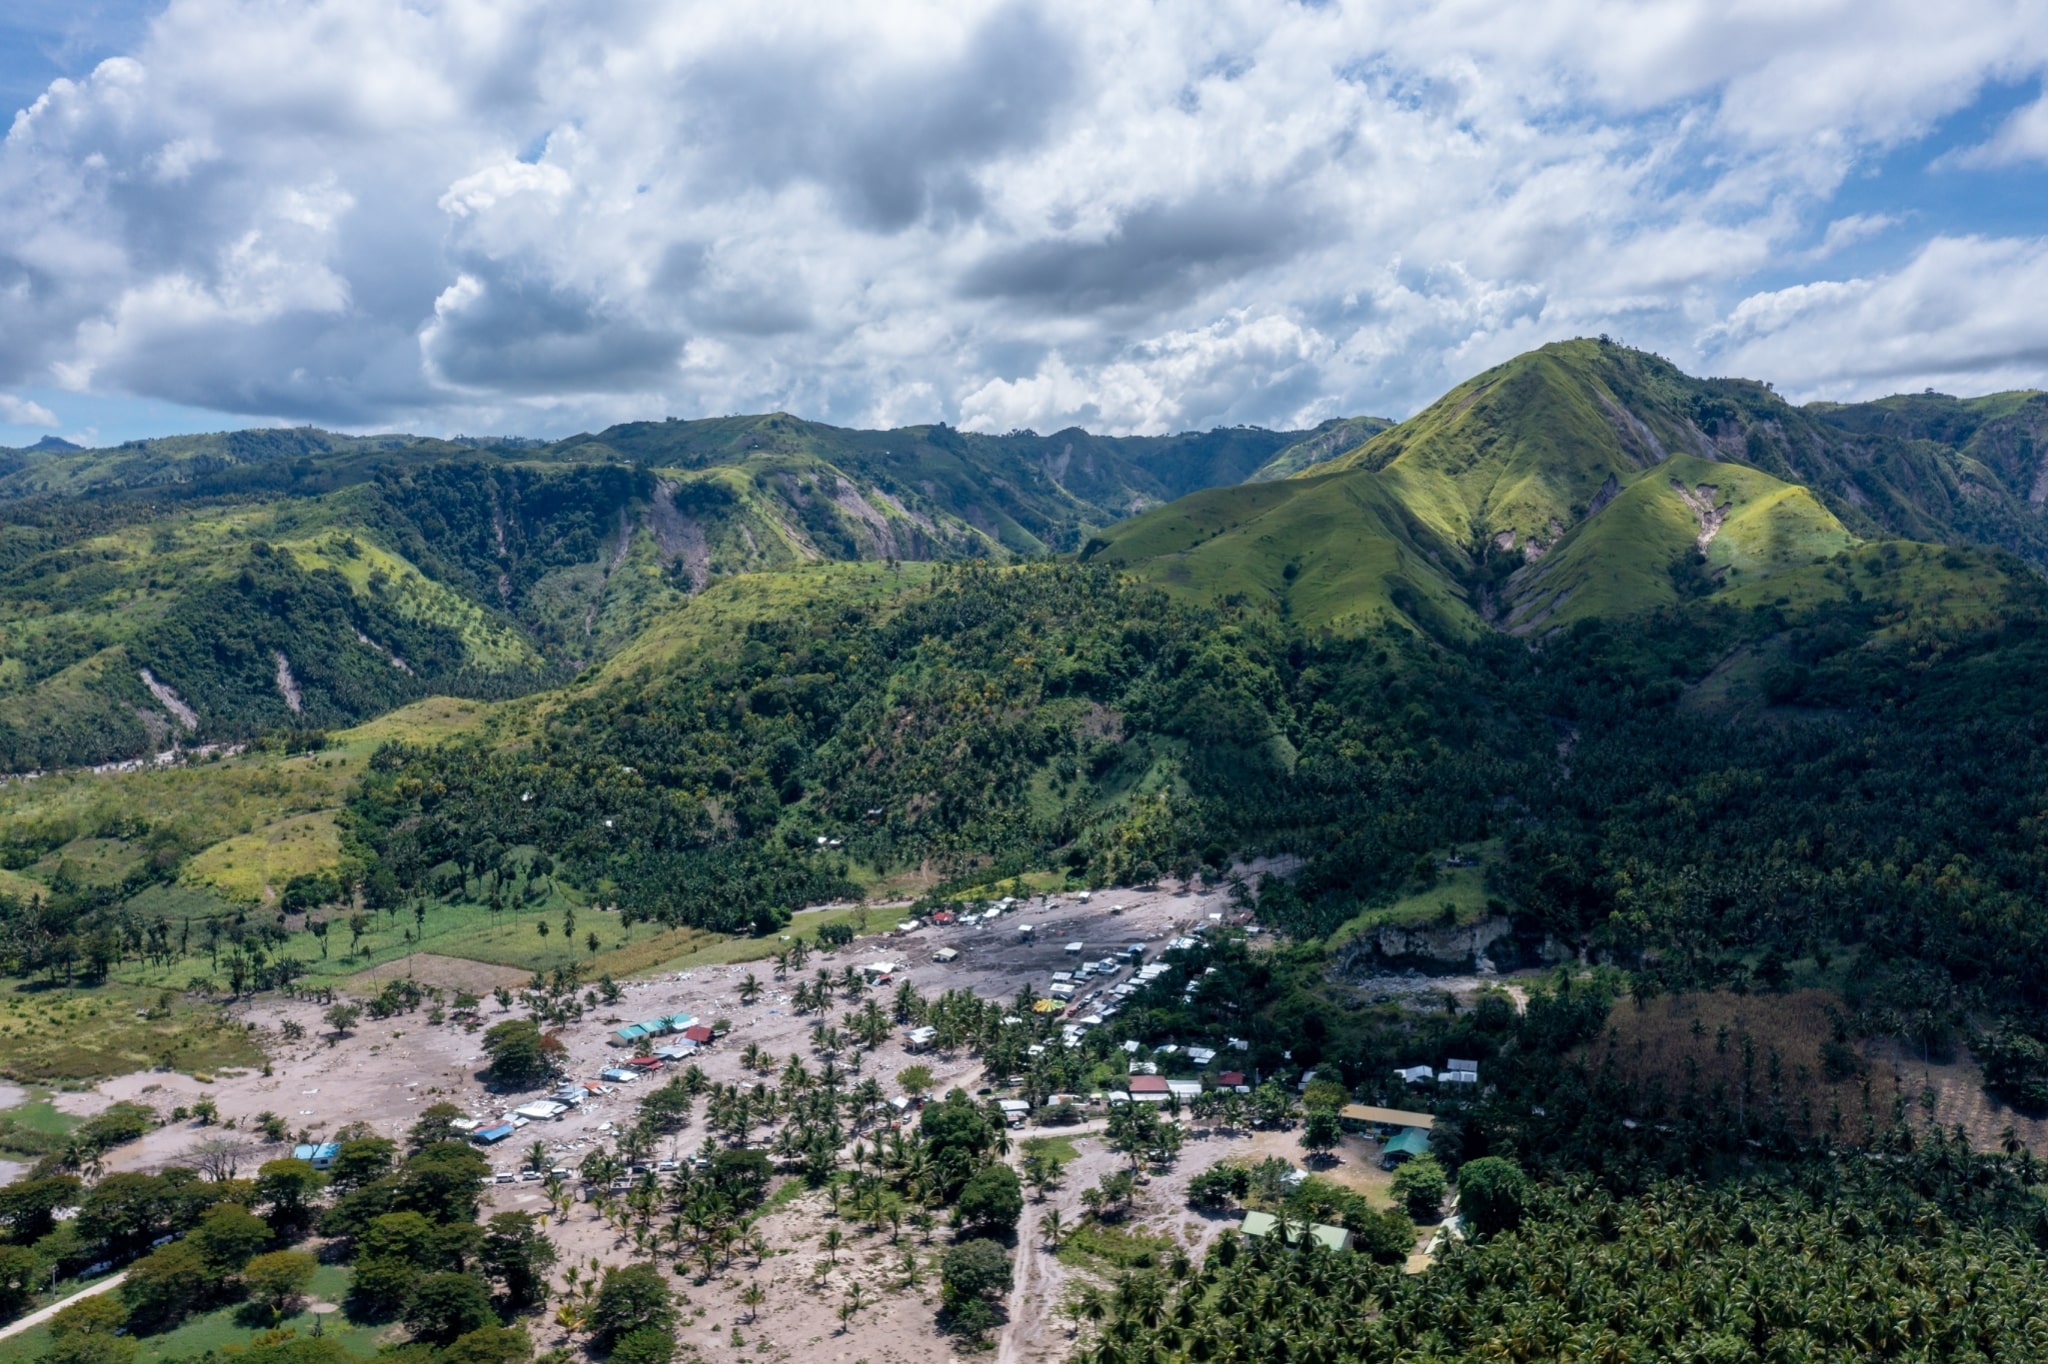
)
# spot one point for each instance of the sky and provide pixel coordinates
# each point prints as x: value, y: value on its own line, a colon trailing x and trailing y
x: 542, y: 216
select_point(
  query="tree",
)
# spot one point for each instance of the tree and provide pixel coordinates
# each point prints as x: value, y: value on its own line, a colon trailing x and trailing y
x: 442, y: 1183
x: 518, y: 1058
x: 970, y: 1274
x: 1052, y: 1229
x: 445, y: 1306
x: 278, y: 1279
x: 1320, y: 1131
x: 83, y: 1333
x: 227, y: 1236
x: 359, y: 1161
x: 167, y: 1283
x: 750, y: 989
x: 1419, y: 1186
x: 342, y: 1018
x: 991, y: 1201
x: 916, y: 1080
x: 21, y: 1273
x: 127, y: 1211
x: 431, y: 1126
x: 489, y: 1345
x: 288, y: 1188
x: 100, y: 1314
x: 1493, y: 1192
x: 28, y: 1207
x: 630, y: 1298
x: 751, y: 1298
x: 519, y: 1256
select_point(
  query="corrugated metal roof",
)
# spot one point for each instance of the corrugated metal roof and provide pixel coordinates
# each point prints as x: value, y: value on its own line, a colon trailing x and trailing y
x: 1393, y: 1117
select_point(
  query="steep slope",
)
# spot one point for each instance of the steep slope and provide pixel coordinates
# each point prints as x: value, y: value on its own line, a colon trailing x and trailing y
x: 1338, y: 551
x: 1586, y: 479
x: 1694, y: 527
x: 1335, y: 437
x: 148, y: 592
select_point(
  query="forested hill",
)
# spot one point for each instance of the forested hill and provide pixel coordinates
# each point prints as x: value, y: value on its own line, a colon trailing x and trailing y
x: 1587, y: 480
x: 211, y: 588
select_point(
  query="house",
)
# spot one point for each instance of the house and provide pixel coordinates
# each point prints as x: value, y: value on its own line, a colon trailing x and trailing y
x: 677, y: 1051
x: 1014, y: 1111
x: 541, y: 1110
x: 878, y: 972
x: 1149, y: 1089
x: 920, y: 1038
x: 699, y: 1033
x: 628, y: 1035
x: 491, y: 1136
x: 319, y: 1157
x: 1404, y: 1145
x: 1454, y: 1064
x: 1233, y: 1079
x: 945, y: 954
x: 1202, y: 1056
x: 681, y: 1022
x: 1385, y: 1117
x: 1257, y: 1224
x: 646, y: 1063
x: 1458, y: 1077
x: 1074, y: 949
x: 1184, y: 1090
x: 1415, y: 1075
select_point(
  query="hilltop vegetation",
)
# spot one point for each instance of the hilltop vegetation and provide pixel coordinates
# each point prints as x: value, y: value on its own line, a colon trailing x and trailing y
x: 211, y: 588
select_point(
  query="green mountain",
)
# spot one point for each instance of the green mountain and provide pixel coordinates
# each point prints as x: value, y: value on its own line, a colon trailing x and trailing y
x: 1584, y: 479
x: 207, y: 588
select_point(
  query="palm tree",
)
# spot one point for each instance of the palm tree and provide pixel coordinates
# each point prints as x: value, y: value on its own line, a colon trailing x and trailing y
x: 750, y: 989
x: 537, y: 1157
x: 834, y: 1238
x: 1051, y: 1228
x: 751, y: 1297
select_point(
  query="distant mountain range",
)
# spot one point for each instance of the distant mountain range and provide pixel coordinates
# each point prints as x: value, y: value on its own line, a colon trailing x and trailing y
x: 216, y: 586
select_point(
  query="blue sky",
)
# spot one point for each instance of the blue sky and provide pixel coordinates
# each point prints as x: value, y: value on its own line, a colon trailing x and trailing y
x: 461, y: 216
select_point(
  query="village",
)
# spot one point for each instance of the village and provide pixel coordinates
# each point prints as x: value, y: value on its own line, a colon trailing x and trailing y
x: 569, y: 1152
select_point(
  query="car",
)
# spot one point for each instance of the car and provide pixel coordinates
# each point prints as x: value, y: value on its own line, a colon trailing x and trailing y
x: 664, y: 1165
x: 530, y: 1176
x: 559, y: 1172
x: 506, y: 1177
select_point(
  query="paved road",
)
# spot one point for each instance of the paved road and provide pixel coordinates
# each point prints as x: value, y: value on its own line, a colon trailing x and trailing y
x: 37, y: 1318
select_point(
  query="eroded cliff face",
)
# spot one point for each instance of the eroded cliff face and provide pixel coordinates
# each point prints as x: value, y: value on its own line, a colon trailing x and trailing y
x: 1492, y: 944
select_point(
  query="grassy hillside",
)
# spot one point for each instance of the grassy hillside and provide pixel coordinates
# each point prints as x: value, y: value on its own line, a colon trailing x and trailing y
x: 1337, y: 436
x: 211, y: 588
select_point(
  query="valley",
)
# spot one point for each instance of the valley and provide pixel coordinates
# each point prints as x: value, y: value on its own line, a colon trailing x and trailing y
x: 1656, y: 757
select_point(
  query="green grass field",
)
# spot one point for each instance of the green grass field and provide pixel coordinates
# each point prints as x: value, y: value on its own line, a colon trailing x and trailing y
x: 222, y: 1331
x: 52, y: 1035
x: 1463, y: 888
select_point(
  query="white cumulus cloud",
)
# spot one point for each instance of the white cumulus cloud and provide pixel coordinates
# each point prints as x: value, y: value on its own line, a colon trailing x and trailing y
x: 521, y: 215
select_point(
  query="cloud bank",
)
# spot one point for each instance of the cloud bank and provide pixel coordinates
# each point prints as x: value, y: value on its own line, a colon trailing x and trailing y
x: 454, y: 215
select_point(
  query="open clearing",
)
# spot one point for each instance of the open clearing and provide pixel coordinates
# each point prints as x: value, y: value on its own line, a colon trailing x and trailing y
x: 387, y: 1071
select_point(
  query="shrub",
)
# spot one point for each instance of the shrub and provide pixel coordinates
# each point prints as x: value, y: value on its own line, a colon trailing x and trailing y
x: 648, y: 1345
x: 1493, y: 1192
x: 1419, y: 1186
